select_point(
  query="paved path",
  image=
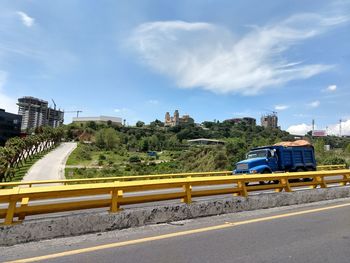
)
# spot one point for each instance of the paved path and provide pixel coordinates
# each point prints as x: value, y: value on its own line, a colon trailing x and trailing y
x: 51, y: 166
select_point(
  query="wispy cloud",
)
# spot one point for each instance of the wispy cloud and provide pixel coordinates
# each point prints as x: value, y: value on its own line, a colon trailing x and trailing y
x: 26, y: 19
x: 281, y: 107
x: 121, y: 110
x: 314, y: 104
x: 331, y: 88
x: 208, y: 56
x: 153, y: 102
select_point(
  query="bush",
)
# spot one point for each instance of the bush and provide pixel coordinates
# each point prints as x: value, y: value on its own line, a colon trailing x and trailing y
x: 334, y: 160
x: 84, y: 152
x: 135, y: 159
x: 102, y: 157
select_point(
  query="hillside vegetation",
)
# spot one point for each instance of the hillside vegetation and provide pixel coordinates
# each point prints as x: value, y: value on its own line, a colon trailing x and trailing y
x: 110, y: 151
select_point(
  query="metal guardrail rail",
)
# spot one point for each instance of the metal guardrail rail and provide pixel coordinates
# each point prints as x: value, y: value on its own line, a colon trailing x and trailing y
x: 331, y: 167
x: 146, y: 191
x: 139, y: 177
x: 118, y: 178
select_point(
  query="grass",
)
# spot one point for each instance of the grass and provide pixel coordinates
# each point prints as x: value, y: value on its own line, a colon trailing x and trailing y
x: 85, y: 156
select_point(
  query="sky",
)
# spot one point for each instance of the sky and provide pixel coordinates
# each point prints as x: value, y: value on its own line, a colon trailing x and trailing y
x: 212, y: 59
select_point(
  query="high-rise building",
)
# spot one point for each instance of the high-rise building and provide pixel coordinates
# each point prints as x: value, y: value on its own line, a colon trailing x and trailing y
x: 10, y: 126
x: 36, y: 113
x: 269, y: 121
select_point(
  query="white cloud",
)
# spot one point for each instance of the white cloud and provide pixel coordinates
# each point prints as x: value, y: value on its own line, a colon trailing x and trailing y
x: 333, y: 129
x: 26, y: 19
x: 210, y: 57
x: 299, y: 129
x: 154, y: 102
x: 332, y: 88
x: 7, y: 103
x: 281, y: 107
x: 314, y: 104
x: 122, y: 110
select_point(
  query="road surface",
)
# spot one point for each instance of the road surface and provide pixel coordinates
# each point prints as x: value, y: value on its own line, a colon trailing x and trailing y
x: 312, y: 233
x: 51, y: 166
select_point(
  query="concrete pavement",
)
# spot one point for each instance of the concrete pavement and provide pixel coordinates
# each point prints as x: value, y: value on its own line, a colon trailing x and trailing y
x: 51, y: 166
x: 310, y: 233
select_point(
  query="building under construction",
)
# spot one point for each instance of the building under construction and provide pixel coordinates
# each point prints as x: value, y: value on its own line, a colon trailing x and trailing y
x: 36, y: 113
x: 269, y: 120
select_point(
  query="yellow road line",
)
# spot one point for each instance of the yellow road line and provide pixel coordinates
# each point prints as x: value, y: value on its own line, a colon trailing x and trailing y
x: 171, y: 235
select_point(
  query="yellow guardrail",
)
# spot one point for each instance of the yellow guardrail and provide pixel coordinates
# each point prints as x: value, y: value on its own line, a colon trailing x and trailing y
x: 139, y: 177
x: 147, y: 191
x: 331, y: 167
x: 118, y: 178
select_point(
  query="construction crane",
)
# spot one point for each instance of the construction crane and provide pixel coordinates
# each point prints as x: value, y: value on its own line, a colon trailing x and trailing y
x: 272, y: 111
x: 54, y: 104
x: 74, y: 111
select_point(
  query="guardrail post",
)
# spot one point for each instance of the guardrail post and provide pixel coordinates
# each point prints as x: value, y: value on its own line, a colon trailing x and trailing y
x: 243, y: 189
x: 188, y: 193
x: 319, y: 180
x: 116, y: 196
x: 10, y: 212
x: 284, y: 184
x: 347, y: 178
x: 24, y: 203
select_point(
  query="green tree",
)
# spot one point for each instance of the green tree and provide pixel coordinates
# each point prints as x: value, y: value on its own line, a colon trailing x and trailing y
x: 140, y: 124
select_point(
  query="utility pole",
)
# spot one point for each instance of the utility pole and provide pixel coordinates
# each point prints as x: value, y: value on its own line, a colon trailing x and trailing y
x: 313, y: 125
x: 340, y: 127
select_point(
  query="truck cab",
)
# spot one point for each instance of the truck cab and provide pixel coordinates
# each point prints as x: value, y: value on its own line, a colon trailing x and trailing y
x: 277, y: 158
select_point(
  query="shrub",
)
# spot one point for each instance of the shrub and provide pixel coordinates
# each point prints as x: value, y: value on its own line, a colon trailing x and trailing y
x: 135, y: 159
x: 334, y: 160
x: 102, y: 157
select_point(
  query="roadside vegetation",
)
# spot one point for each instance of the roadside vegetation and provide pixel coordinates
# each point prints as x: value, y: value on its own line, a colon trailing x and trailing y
x: 19, y: 154
x: 105, y: 150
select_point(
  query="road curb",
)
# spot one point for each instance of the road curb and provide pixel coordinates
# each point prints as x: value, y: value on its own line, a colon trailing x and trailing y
x: 84, y: 223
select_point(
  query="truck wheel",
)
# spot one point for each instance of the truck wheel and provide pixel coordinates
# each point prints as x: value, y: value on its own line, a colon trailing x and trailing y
x: 310, y: 169
x: 265, y: 182
x: 296, y: 180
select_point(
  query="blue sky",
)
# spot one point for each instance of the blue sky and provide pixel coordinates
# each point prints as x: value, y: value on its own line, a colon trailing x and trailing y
x: 211, y: 59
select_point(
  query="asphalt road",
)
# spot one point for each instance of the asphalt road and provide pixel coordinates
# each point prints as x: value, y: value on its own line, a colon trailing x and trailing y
x: 318, y: 232
x: 51, y: 166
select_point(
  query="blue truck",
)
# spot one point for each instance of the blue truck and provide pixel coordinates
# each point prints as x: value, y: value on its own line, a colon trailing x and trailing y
x: 277, y: 158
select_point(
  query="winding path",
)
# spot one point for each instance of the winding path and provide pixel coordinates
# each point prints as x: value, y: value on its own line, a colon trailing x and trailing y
x: 51, y: 166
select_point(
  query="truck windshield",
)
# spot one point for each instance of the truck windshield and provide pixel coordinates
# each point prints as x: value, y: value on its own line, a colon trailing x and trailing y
x: 257, y: 154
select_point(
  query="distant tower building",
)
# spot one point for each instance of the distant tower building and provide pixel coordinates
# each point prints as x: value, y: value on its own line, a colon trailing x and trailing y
x: 177, y: 120
x: 176, y: 117
x: 269, y: 121
x: 36, y: 112
x: 167, y: 117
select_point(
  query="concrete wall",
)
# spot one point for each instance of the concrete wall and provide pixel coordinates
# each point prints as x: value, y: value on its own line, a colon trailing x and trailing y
x: 78, y: 224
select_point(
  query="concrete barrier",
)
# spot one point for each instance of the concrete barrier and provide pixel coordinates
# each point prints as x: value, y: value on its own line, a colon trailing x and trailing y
x: 91, y: 222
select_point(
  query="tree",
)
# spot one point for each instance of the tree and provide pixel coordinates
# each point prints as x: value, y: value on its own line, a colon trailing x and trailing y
x: 156, y: 123
x: 110, y: 138
x: 140, y: 124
